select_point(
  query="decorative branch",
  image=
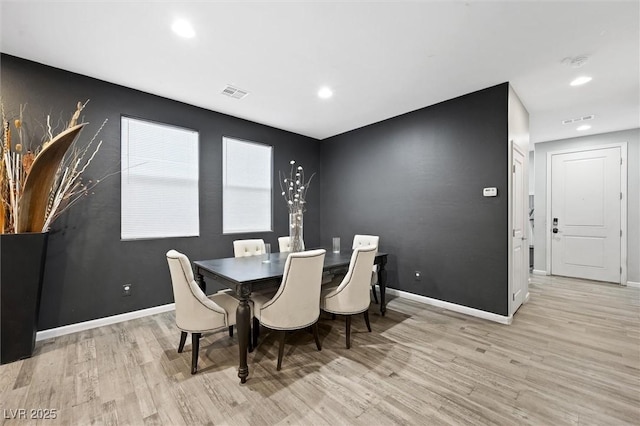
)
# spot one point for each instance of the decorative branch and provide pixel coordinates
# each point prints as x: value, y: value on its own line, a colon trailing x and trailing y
x: 294, y: 188
x: 65, y: 162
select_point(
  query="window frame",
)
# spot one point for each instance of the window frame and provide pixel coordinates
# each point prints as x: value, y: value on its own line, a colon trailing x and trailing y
x: 226, y: 138
x: 124, y: 168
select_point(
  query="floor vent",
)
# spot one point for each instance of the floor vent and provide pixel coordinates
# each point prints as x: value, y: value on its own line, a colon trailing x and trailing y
x: 234, y: 92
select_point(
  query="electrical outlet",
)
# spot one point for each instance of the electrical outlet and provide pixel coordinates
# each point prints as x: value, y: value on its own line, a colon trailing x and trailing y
x: 126, y: 289
x: 418, y: 276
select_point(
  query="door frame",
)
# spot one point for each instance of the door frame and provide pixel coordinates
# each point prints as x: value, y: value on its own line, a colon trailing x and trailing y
x: 623, y: 204
x: 525, y: 229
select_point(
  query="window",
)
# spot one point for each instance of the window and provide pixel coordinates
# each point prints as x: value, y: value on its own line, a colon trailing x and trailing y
x: 159, y: 188
x: 246, y: 186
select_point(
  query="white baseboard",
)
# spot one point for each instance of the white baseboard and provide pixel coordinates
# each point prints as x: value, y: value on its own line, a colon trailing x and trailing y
x: 451, y: 306
x: 114, y: 319
x: 87, y: 325
x: 629, y: 283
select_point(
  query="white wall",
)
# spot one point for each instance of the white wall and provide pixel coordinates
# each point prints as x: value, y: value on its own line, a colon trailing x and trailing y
x: 532, y: 174
x: 632, y: 137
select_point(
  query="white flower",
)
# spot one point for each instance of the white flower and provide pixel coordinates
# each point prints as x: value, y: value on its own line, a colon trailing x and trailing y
x: 294, y: 187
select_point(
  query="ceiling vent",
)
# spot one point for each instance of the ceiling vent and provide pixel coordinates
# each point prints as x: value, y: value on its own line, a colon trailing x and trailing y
x: 579, y: 119
x: 576, y: 61
x: 234, y: 92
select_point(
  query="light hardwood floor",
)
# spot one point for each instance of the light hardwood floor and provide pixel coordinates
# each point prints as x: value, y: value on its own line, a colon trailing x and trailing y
x: 571, y: 356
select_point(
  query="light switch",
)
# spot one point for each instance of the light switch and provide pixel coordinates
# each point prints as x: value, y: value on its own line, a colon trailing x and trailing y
x: 490, y: 192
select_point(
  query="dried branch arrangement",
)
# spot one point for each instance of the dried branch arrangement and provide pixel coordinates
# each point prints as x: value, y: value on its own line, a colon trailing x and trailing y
x: 294, y: 188
x: 38, y: 185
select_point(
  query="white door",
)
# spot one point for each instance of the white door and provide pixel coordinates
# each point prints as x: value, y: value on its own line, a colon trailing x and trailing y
x: 519, y: 236
x: 585, y: 214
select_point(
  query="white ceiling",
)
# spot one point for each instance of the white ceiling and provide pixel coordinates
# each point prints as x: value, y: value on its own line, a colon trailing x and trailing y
x: 381, y: 59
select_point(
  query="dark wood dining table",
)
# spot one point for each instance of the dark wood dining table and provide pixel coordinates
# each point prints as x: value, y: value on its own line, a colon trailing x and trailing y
x: 247, y: 274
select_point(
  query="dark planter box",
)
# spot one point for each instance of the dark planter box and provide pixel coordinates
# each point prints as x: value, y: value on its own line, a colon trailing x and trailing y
x: 22, y: 259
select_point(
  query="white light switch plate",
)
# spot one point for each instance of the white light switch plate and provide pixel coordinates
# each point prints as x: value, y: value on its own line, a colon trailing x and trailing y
x: 490, y: 192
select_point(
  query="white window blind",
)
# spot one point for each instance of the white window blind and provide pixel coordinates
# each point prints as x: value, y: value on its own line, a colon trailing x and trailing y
x: 246, y: 186
x: 159, y: 188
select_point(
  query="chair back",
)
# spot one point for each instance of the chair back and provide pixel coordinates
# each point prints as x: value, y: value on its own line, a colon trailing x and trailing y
x: 365, y: 241
x: 194, y: 311
x: 296, y: 304
x: 352, y: 295
x: 285, y: 244
x: 246, y: 248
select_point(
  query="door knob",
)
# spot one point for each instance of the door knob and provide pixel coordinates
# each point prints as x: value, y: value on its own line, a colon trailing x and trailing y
x: 554, y: 230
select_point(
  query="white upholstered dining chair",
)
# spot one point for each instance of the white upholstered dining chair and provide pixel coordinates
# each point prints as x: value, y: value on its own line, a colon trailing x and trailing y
x: 295, y: 304
x: 351, y: 296
x: 285, y: 244
x: 245, y: 248
x: 195, y: 312
x: 366, y: 241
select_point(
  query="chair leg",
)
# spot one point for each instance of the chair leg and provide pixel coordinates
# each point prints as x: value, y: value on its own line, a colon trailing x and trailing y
x: 366, y: 320
x: 230, y: 331
x: 195, y: 347
x: 314, y: 327
x: 375, y: 295
x: 348, y: 321
x: 183, y: 339
x: 283, y: 334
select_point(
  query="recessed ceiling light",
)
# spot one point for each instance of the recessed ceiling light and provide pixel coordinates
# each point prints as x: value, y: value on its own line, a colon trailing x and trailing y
x: 583, y: 127
x: 325, y: 93
x: 183, y: 28
x: 581, y: 80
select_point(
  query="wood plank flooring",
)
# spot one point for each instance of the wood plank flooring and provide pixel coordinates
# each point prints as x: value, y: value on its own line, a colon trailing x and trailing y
x: 571, y: 357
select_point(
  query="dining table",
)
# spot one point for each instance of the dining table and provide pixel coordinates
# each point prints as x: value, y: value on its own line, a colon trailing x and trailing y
x: 245, y: 275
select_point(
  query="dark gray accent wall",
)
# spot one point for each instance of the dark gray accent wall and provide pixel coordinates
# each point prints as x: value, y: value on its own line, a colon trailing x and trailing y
x: 416, y: 181
x: 87, y: 264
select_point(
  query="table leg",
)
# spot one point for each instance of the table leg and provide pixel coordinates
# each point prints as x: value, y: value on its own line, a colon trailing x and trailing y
x: 243, y: 318
x: 382, y: 282
x: 200, y: 281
